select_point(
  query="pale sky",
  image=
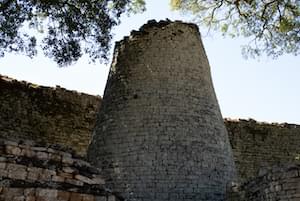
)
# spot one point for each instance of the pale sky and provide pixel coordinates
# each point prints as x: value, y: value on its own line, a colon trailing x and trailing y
x: 265, y: 90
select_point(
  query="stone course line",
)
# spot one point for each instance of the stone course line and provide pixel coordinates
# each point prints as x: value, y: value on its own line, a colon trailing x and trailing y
x: 159, y: 133
x: 29, y: 172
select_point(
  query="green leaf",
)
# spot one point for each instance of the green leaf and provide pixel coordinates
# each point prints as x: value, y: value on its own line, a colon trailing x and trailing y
x: 137, y: 6
x: 175, y: 4
x: 285, y: 25
x: 224, y: 28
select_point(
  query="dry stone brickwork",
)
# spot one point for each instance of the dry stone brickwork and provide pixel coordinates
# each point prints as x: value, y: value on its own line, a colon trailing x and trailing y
x: 32, y: 173
x: 277, y: 184
x: 159, y: 133
x: 56, y: 115
x: 44, y: 114
x: 257, y: 145
x: 39, y: 194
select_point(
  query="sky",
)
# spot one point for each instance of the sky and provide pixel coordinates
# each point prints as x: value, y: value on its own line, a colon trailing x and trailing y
x: 266, y: 90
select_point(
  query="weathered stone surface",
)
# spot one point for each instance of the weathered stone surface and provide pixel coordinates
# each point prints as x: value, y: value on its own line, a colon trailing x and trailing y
x: 50, y: 115
x: 63, y: 195
x: 258, y: 145
x: 16, y: 171
x: 254, y: 144
x: 84, y: 179
x: 277, y: 184
x: 159, y: 133
x: 88, y: 198
x: 20, y: 194
x: 24, y: 178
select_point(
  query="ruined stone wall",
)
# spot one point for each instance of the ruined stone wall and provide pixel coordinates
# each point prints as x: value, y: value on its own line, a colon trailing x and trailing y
x: 56, y: 115
x: 257, y: 145
x: 280, y: 183
x: 44, y: 173
x: 44, y: 114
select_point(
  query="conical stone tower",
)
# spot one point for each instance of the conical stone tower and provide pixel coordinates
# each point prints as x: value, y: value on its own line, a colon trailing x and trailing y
x: 160, y: 134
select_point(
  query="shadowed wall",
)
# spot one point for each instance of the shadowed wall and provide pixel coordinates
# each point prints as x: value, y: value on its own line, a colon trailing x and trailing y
x: 258, y: 145
x: 159, y: 133
x: 24, y: 115
x: 46, y: 115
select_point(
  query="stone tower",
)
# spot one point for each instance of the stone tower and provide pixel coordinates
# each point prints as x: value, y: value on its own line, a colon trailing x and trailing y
x: 159, y: 134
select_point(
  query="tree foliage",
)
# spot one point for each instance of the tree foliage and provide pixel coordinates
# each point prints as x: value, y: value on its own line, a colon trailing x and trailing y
x: 69, y: 27
x: 272, y: 25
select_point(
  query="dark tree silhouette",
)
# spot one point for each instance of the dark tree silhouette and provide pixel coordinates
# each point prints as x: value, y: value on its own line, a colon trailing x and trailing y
x: 69, y: 27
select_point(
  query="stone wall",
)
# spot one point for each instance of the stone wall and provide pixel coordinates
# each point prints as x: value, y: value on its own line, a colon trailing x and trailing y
x: 44, y: 114
x: 56, y: 115
x: 29, y: 172
x: 159, y: 132
x: 257, y: 145
x: 278, y: 184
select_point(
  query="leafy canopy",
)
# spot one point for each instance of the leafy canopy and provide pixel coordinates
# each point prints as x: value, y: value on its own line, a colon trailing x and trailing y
x: 69, y: 27
x: 272, y: 25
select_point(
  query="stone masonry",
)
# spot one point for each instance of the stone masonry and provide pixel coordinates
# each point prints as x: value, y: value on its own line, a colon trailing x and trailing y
x: 29, y: 172
x: 280, y: 183
x: 160, y: 134
x: 255, y: 144
x: 47, y: 115
x: 258, y: 145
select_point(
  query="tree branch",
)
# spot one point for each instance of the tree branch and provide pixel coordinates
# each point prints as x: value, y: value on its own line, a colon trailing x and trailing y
x: 214, y: 10
x: 266, y: 6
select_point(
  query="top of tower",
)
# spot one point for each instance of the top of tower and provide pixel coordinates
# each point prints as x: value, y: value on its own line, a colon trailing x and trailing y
x: 162, y: 23
x: 152, y: 24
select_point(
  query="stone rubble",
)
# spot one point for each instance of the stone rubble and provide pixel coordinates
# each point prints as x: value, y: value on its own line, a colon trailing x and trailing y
x: 29, y: 172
